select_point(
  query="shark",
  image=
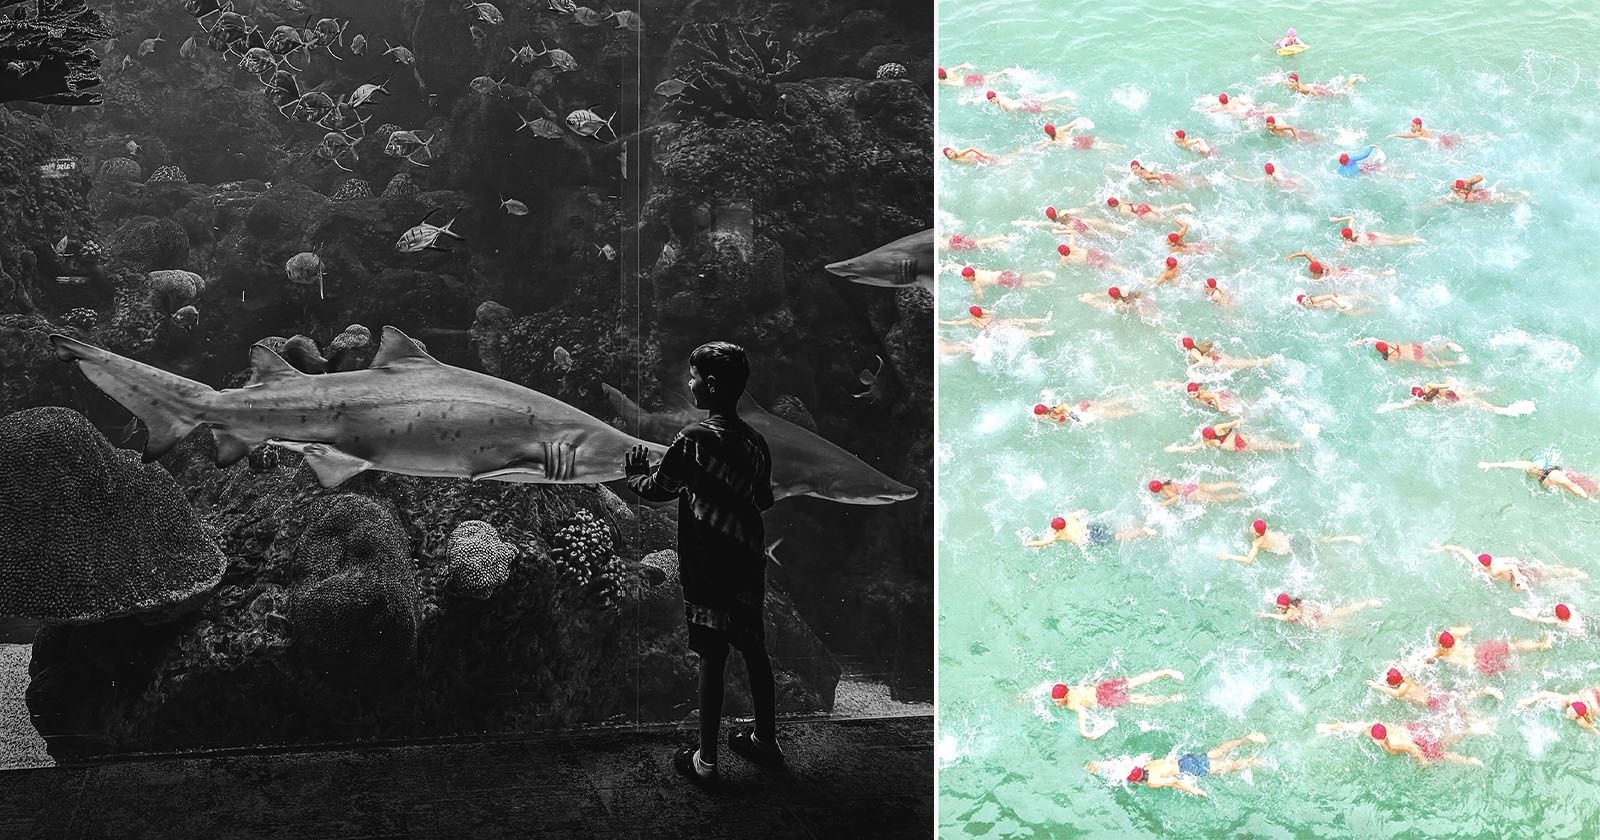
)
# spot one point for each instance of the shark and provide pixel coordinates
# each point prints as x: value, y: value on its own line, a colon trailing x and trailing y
x: 803, y: 463
x: 907, y: 261
x: 406, y: 413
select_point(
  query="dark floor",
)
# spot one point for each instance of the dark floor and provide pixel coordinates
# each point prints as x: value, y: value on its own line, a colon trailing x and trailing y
x: 847, y: 779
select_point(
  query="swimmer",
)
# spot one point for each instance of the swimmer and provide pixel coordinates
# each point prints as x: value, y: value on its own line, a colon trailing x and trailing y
x: 1369, y: 239
x: 1073, y: 529
x: 1449, y: 393
x: 1193, y: 144
x: 1145, y: 211
x: 1289, y: 41
x: 1223, y: 436
x: 978, y: 278
x: 1314, y: 615
x: 1221, y: 401
x: 1111, y: 694
x: 1395, y: 352
x: 1273, y: 175
x: 1117, y: 300
x: 1032, y: 104
x: 1149, y: 176
x: 1169, y: 272
x: 1262, y: 539
x: 1062, y: 136
x: 1466, y: 190
x: 969, y: 155
x: 1213, y: 293
x: 1434, y: 699
x: 1204, y: 354
x: 1180, y: 773
x: 1549, y: 476
x: 955, y: 78
x: 1071, y: 254
x: 1320, y: 270
x: 959, y: 242
x: 1198, y: 492
x: 1280, y: 129
x: 1085, y: 411
x: 1240, y: 107
x: 983, y: 319
x: 1070, y: 221
x: 1176, y: 243
x: 1293, y: 83
x: 1417, y: 132
x: 1486, y: 657
x: 1519, y: 573
x: 1335, y: 302
x: 1422, y: 743
x: 1579, y: 705
x: 1562, y: 617
x: 1351, y: 166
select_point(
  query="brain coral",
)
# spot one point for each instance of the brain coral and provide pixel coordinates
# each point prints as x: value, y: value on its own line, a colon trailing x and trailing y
x: 479, y: 561
x: 352, y: 189
x: 168, y: 173
x: 87, y: 531
x: 121, y: 169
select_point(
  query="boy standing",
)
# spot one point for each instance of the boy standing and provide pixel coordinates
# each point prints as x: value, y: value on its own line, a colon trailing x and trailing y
x: 720, y: 471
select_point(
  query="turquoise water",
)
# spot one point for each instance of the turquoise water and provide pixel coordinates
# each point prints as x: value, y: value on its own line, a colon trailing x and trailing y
x: 1512, y: 283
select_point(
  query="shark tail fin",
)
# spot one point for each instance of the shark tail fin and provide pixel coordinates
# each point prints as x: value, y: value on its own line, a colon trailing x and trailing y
x: 169, y: 405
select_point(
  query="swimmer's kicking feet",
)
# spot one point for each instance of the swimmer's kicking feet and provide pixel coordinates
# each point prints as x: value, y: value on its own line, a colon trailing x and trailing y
x: 1550, y: 477
x: 1178, y: 773
x: 1313, y: 615
x: 1111, y: 694
x: 984, y: 319
x: 1199, y: 492
x: 1072, y: 528
x: 1485, y: 657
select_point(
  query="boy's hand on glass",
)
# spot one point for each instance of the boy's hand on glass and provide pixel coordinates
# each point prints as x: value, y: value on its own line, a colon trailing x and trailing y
x: 636, y: 461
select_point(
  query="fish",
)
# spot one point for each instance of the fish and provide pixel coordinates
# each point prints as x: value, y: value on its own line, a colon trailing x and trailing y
x: 588, y: 124
x: 188, y: 48
x: 487, y: 86
x: 407, y: 145
x: 875, y: 382
x: 513, y: 206
x: 586, y: 16
x: 524, y: 55
x: 559, y: 59
x: 628, y: 20
x: 132, y: 146
x: 400, y: 53
x: 148, y: 45
x: 186, y: 318
x: 907, y: 261
x: 541, y: 127
x: 607, y: 251
x: 479, y: 37
x: 23, y: 67
x: 672, y: 87
x: 487, y: 13
x: 406, y: 413
x: 565, y: 7
x: 563, y: 359
x: 127, y: 61
x: 365, y: 92
x: 202, y: 8
x: 424, y: 237
x: 803, y: 463
x: 358, y: 44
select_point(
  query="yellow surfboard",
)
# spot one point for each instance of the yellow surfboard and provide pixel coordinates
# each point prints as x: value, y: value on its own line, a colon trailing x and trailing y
x: 1292, y: 50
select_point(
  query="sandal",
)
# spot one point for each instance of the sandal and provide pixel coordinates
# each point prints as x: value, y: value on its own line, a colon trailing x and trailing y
x: 683, y: 760
x: 743, y: 743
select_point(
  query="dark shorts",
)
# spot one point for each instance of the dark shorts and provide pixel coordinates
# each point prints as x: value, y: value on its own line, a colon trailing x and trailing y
x: 1195, y: 764
x: 739, y: 628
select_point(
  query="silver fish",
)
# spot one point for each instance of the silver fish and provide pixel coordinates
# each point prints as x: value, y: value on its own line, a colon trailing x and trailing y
x: 358, y: 44
x: 563, y: 359
x: 400, y: 53
x: 487, y: 13
x: 148, y: 45
x: 132, y: 146
x: 406, y: 413
x: 628, y: 20
x: 366, y: 92
x: 525, y: 55
x: 559, y: 59
x: 672, y: 87
x: 803, y: 463
x: 186, y: 318
x: 513, y: 206
x: 586, y: 16
x: 541, y: 127
x: 487, y: 86
x: 425, y: 237
x: 907, y: 261
x: 607, y: 251
x: 588, y: 124
x: 188, y: 48
x: 565, y: 7
x: 875, y: 382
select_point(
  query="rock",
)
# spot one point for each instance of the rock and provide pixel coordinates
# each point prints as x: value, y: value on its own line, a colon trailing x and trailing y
x: 146, y: 243
x: 121, y: 169
x: 168, y: 174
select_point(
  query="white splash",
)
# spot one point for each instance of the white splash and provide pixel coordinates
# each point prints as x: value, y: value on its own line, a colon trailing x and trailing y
x: 1131, y: 96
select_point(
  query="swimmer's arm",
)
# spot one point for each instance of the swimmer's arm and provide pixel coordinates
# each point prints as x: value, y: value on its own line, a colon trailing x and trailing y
x: 1169, y: 502
x: 1187, y: 787
x: 1299, y: 254
x: 1389, y: 690
x: 1587, y: 725
x: 1039, y: 543
x: 1083, y: 725
x: 1509, y: 465
x: 1539, y: 697
x: 1242, y: 178
x: 1455, y: 549
x: 957, y: 322
x: 1463, y: 630
x: 1462, y: 759
x: 1192, y: 447
x: 1183, y: 227
x: 1522, y: 612
x: 1342, y: 218
x: 1284, y: 618
x: 1364, y: 155
x: 1475, y: 180
x: 1223, y: 427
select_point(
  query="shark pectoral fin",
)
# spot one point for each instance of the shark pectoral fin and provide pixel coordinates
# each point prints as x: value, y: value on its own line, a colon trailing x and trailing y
x: 397, y: 348
x: 558, y: 464
x: 229, y: 448
x: 266, y: 366
x: 331, y: 464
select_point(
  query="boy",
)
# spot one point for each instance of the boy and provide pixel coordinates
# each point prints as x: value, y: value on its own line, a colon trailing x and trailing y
x: 721, y: 473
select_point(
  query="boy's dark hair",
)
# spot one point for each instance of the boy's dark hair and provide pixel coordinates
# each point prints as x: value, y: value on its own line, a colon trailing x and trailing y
x: 726, y: 362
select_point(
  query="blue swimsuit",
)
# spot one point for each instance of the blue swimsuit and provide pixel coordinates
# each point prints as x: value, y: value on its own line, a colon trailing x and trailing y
x: 1353, y: 168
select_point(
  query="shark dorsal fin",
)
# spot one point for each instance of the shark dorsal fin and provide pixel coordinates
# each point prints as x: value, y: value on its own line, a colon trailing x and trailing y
x: 748, y: 405
x: 267, y: 366
x: 397, y: 348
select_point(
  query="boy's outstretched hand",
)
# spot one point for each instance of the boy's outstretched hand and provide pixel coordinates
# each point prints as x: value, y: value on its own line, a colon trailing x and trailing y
x: 636, y: 461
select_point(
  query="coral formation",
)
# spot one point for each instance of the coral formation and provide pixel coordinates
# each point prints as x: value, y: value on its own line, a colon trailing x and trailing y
x: 167, y: 174
x: 490, y: 334
x: 401, y: 187
x: 45, y: 57
x: 732, y: 75
x: 352, y: 189
x: 891, y: 70
x: 121, y: 169
x: 87, y: 532
x: 583, y: 556
x: 479, y: 561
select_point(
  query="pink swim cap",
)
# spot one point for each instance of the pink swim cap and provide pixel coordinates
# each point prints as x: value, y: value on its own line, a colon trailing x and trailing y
x: 1187, y: 342
x: 1192, y: 387
x: 948, y: 150
x: 1180, y: 134
x: 1394, y: 677
x: 1114, y: 292
x: 1483, y: 558
x: 1058, y: 692
x: 1446, y: 640
x: 1347, y: 233
x: 1379, y: 732
x: 1295, y: 76
x: 1283, y: 599
x: 1259, y: 526
x: 1416, y: 390
x: 1222, y: 98
x: 1382, y: 347
x: 1155, y: 486
x: 1580, y: 708
x: 1172, y: 262
x: 1343, y: 159
x: 1315, y: 267
x: 1174, y: 237
x: 1050, y: 129
x: 967, y: 271
x: 1133, y: 164
x: 1050, y: 213
x: 1272, y: 120
x: 1270, y: 168
x: 1563, y: 612
x: 1041, y: 408
x: 990, y: 94
x: 1208, y: 433
x: 975, y: 311
x: 1064, y: 250
x: 1111, y: 202
x: 1416, y: 121
x: 1211, y: 282
x: 1461, y: 184
x: 1058, y: 523
x: 1136, y: 774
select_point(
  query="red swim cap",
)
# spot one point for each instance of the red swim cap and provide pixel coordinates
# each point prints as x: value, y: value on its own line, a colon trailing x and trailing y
x: 1416, y: 390
x: 1174, y: 237
x: 1058, y: 692
x: 1379, y: 732
x: 1050, y: 213
x: 1058, y: 523
x: 948, y: 150
x: 1211, y: 282
x: 1394, y: 677
x: 975, y: 311
x: 1133, y: 164
x: 1295, y: 76
x: 1563, y: 612
x: 1461, y: 184
x: 1180, y: 134
x: 1300, y: 299
x: 1283, y: 599
x: 1382, y: 347
x: 1416, y: 121
x: 1136, y: 774
x: 1114, y: 292
x: 1270, y: 168
x: 967, y: 271
x: 1172, y: 262
x: 1484, y: 558
x: 1064, y: 250
x: 1208, y: 433
x: 990, y: 94
x: 1344, y: 159
x: 1580, y: 708
x: 1050, y: 129
x: 1272, y: 120
x: 1188, y: 343
x: 1259, y: 526
x: 1192, y: 387
x: 1315, y: 267
x: 942, y: 74
x: 1222, y: 98
x: 1154, y: 485
x: 1347, y: 233
x: 1446, y: 640
x: 1041, y: 408
x: 1111, y: 202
